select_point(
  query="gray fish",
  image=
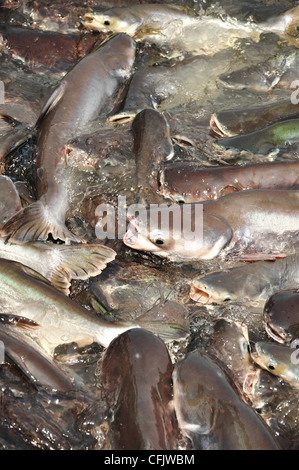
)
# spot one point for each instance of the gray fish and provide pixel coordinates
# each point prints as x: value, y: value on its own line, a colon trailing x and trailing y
x: 229, y: 343
x: 192, y: 182
x: 173, y: 26
x: 211, y: 413
x: 89, y: 89
x: 261, y: 77
x: 152, y: 147
x: 269, y: 140
x: 40, y: 370
x: 142, y: 415
x: 255, y: 281
x: 281, y: 315
x: 247, y: 225
x: 60, y: 320
x: 228, y: 123
x: 279, y: 359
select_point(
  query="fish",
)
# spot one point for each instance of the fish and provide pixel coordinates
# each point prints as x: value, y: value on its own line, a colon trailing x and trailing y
x: 269, y: 140
x: 211, y: 413
x: 279, y: 359
x: 41, y: 370
x: 58, y: 318
x: 228, y: 123
x: 261, y: 77
x: 152, y: 147
x: 189, y: 182
x: 92, y: 87
x: 254, y: 281
x: 63, y: 50
x: 59, y: 264
x: 164, y: 87
x: 143, y: 418
x: 173, y: 26
x: 229, y: 344
x: 281, y: 315
x: 248, y: 225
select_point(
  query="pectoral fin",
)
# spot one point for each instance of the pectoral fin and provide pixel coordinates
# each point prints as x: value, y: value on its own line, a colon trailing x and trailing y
x: 79, y: 262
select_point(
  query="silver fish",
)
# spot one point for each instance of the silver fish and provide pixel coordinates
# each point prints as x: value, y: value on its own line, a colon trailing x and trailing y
x: 90, y: 88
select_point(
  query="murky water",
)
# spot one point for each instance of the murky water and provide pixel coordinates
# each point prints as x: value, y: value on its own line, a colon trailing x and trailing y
x: 103, y: 167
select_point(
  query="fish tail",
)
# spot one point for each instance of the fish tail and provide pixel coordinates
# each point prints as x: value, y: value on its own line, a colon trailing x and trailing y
x: 35, y: 222
x: 79, y: 262
x: 168, y: 331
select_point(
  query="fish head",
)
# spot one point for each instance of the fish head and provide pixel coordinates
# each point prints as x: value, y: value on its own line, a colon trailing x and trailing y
x: 275, y: 358
x: 211, y: 289
x: 116, y: 20
x: 177, y: 232
x: 281, y: 315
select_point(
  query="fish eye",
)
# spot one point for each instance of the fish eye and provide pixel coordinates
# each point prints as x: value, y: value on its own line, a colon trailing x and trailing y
x: 159, y: 241
x: 271, y: 366
x: 107, y: 23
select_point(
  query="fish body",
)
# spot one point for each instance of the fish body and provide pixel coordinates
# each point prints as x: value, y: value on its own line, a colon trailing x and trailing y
x: 228, y: 123
x: 229, y: 343
x: 252, y: 225
x: 60, y: 320
x: 176, y: 28
x: 279, y: 359
x: 152, y: 147
x: 281, y: 315
x: 191, y: 182
x: 142, y: 416
x: 211, y: 413
x: 261, y: 77
x: 28, y: 46
x: 40, y: 369
x: 255, y: 281
x: 271, y: 139
x: 90, y: 88
x: 163, y: 87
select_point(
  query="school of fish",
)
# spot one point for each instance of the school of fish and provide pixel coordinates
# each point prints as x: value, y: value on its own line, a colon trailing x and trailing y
x: 149, y: 225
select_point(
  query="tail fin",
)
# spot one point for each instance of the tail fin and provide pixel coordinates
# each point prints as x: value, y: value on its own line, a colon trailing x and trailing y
x: 78, y: 262
x: 167, y: 331
x: 34, y: 222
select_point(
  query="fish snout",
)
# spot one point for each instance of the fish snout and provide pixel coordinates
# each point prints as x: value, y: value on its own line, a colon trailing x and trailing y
x: 199, y: 293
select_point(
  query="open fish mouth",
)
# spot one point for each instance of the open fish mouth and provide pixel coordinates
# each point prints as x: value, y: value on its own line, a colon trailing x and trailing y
x: 217, y: 129
x: 199, y: 294
x: 131, y: 236
x: 123, y: 117
x: 274, y: 334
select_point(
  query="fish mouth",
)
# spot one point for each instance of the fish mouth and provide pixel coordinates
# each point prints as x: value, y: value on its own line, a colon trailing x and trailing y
x: 230, y: 85
x: 131, y: 235
x: 92, y: 21
x: 199, y: 294
x: 274, y: 334
x: 217, y: 129
x: 123, y: 118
